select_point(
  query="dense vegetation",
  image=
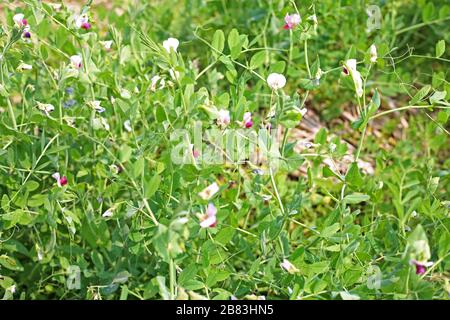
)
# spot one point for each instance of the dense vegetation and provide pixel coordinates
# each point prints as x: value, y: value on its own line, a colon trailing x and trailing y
x: 107, y: 192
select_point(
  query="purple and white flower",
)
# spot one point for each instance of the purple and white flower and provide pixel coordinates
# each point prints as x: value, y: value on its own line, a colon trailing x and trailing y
x: 209, y: 219
x: 76, y: 61
x: 291, y: 21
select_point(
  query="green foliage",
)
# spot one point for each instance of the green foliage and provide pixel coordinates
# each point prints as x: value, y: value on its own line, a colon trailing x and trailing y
x: 127, y: 223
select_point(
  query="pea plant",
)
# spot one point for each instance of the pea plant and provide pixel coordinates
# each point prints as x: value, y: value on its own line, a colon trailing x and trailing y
x: 184, y: 149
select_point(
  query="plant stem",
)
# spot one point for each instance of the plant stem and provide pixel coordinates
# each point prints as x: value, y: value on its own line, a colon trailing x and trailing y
x: 172, y: 279
x: 11, y: 113
x: 274, y: 186
x: 361, y: 142
x: 419, y: 25
x: 306, y: 58
x: 406, y: 108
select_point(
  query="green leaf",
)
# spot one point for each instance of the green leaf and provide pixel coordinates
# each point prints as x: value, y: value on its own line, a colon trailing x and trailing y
x: 187, y: 274
x: 10, y: 263
x: 440, y: 48
x: 138, y: 167
x: 428, y: 12
x: 327, y: 172
x: 376, y: 99
x: 329, y: 231
x: 216, y: 275
x: 277, y: 67
x: 309, y: 84
x: 442, y: 117
x: 321, y: 136
x: 257, y: 60
x: 124, y: 292
x: 420, y: 94
x: 290, y: 119
x: 5, y: 202
x: 315, y: 268
x: 192, y: 284
x: 254, y: 267
x: 32, y: 185
x: 356, y: 198
x: 438, y: 96
x: 152, y: 185
x: 225, y: 235
x: 218, y: 42
x: 444, y: 245
x: 353, y: 176
x: 234, y: 43
x: 163, y: 290
x: 125, y: 153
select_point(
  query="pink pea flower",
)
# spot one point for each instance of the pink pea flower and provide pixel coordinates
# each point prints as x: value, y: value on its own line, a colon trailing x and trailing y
x: 247, y: 120
x: 82, y: 22
x: 421, y: 267
x: 209, y: 220
x: 223, y: 118
x: 19, y: 20
x: 288, y: 266
x: 76, y: 61
x: 61, y: 181
x: 292, y: 21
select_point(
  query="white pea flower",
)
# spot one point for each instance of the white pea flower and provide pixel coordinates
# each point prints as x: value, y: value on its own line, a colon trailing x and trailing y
x: 171, y: 44
x: 96, y: 106
x: 45, y: 107
x: 108, y: 213
x: 209, y: 191
x: 303, y: 111
x: 100, y: 123
x: 23, y: 67
x: 104, y: 123
x: 174, y: 74
x: 183, y: 220
x: 276, y: 81
x: 350, y: 69
x: 154, y: 83
x: 56, y: 6
x: 127, y: 125
x: 223, y: 118
x: 313, y: 18
x: 332, y: 147
x: 76, y: 61
x: 125, y: 94
x: 373, y: 53
x: 318, y: 74
x: 106, y: 44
